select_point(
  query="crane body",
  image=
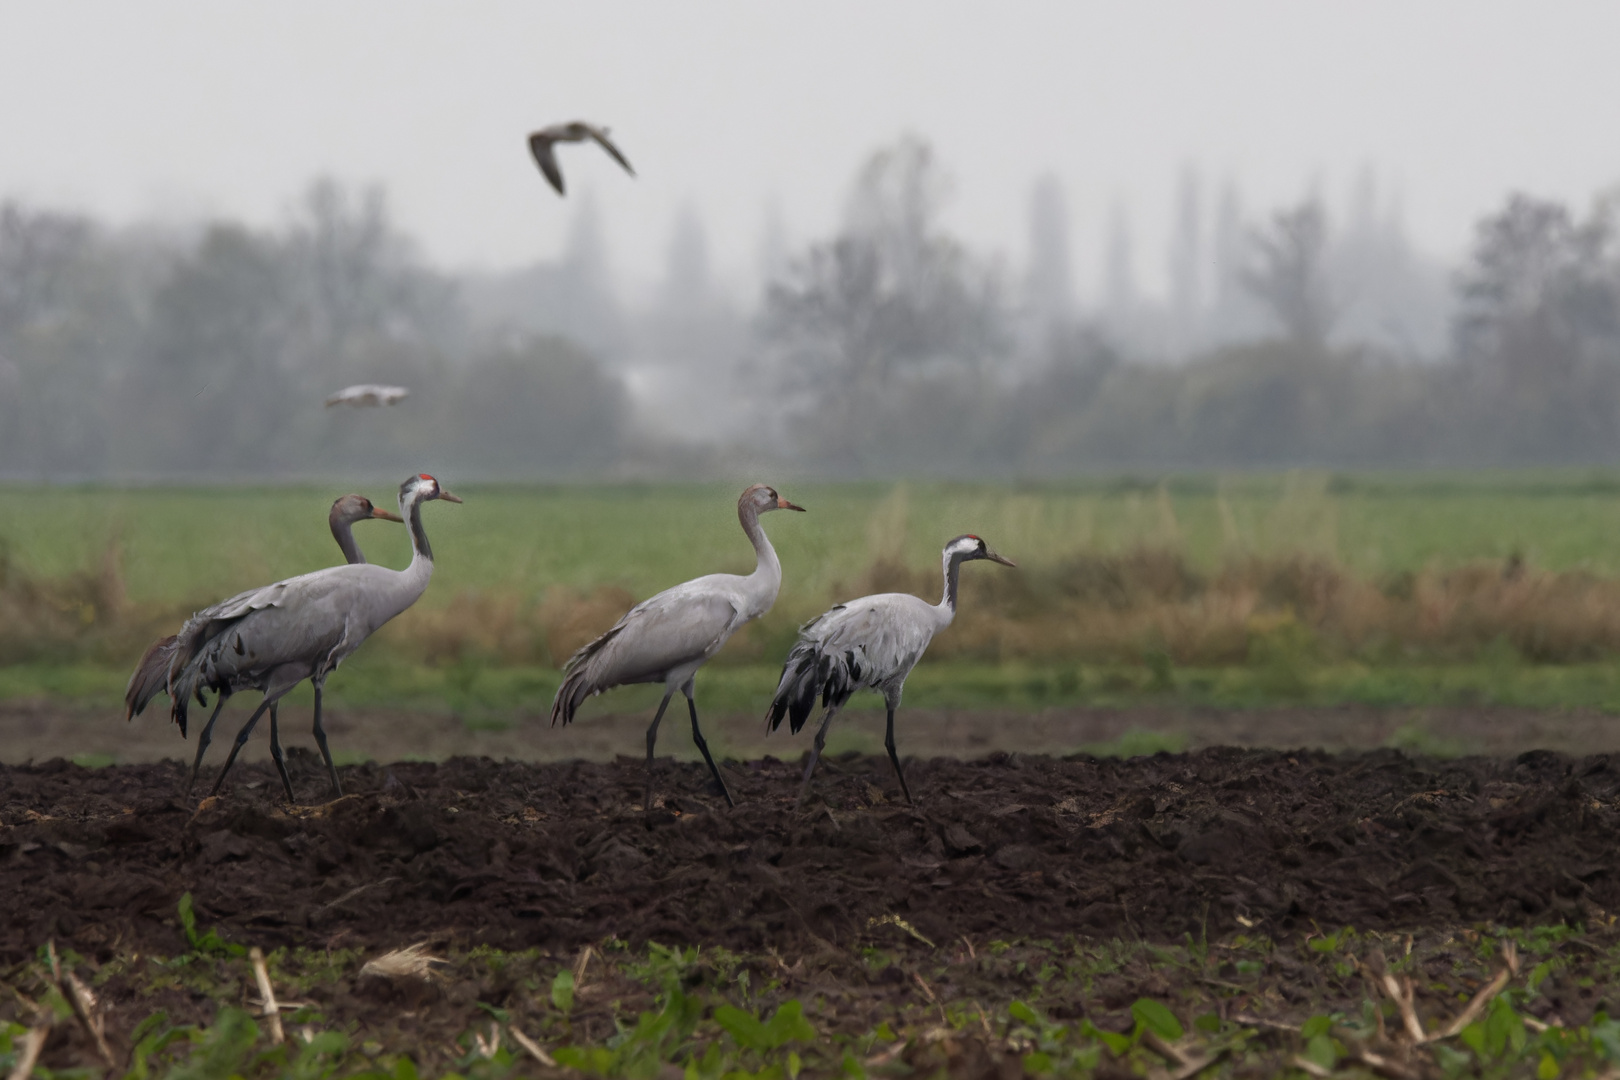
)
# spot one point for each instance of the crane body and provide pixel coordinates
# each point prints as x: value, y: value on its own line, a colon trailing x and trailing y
x: 668, y: 637
x: 870, y: 643
x: 272, y: 638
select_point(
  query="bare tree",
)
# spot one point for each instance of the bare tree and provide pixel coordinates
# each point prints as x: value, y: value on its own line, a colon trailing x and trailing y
x: 1287, y: 272
x: 892, y: 299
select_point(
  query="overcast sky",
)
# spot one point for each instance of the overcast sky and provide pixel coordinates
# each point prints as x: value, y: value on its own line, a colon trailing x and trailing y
x: 189, y: 109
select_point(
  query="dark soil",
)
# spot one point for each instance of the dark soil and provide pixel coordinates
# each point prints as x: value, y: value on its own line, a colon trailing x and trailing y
x: 558, y: 855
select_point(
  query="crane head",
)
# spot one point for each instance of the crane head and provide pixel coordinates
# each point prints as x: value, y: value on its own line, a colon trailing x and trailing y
x: 426, y: 488
x: 353, y: 508
x: 763, y: 497
x: 968, y: 547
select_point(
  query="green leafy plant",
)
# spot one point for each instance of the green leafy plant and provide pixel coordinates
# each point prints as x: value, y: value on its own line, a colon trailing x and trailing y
x: 208, y: 942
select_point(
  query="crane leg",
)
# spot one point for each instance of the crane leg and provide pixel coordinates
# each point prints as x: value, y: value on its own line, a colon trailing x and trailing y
x: 894, y: 759
x: 320, y: 740
x: 697, y: 737
x: 278, y: 757
x: 815, y: 755
x: 652, y: 740
x: 241, y: 741
x: 203, y: 738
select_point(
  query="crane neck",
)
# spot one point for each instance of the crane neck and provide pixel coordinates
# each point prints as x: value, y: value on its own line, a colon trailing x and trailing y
x: 410, y: 508
x: 343, y: 533
x: 767, y: 568
x: 953, y: 569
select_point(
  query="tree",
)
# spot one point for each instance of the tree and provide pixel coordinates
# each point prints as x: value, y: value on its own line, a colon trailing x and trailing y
x: 1050, y: 284
x: 1287, y: 272
x: 356, y: 279
x: 891, y: 298
x: 541, y: 404
x: 1538, y: 331
x: 1541, y: 289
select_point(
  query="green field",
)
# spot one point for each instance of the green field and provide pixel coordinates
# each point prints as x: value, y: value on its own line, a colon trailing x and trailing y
x: 524, y: 572
x: 194, y: 544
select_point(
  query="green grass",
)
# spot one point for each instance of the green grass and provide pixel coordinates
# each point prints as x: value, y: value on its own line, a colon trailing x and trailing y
x: 495, y: 692
x: 187, y: 545
x: 183, y: 547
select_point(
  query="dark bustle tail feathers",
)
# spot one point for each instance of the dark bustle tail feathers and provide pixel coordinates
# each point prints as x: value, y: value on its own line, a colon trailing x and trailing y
x: 807, y: 673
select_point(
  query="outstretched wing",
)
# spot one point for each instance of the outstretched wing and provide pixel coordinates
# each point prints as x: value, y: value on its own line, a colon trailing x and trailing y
x: 543, y: 146
x: 602, y: 140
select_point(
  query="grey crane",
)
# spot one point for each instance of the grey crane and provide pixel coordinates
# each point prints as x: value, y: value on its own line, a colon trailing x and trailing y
x: 542, y: 145
x: 364, y: 395
x: 151, y: 675
x: 870, y: 643
x: 273, y: 638
x: 667, y: 637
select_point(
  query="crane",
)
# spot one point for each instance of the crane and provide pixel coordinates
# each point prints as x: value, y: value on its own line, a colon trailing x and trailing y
x: 542, y: 143
x: 363, y: 395
x: 151, y: 675
x: 667, y: 637
x: 273, y: 638
x: 870, y: 643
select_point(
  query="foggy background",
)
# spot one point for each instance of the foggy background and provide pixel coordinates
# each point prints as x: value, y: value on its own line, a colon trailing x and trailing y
x: 917, y: 239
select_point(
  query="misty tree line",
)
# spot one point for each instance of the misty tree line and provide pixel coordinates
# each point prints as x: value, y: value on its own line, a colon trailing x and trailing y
x: 890, y: 347
x: 146, y: 354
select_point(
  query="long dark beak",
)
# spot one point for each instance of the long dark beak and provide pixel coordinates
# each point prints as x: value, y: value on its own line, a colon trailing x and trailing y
x: 379, y: 512
x: 783, y: 504
x: 447, y: 497
x: 1002, y: 559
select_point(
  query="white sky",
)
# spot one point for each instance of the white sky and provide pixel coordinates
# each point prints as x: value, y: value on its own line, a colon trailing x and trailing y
x: 182, y: 109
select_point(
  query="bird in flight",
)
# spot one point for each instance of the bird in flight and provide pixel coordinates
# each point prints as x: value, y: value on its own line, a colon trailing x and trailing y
x: 368, y: 394
x: 542, y: 142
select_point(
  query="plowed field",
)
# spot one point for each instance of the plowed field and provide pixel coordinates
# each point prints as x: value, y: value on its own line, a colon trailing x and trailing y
x: 558, y: 855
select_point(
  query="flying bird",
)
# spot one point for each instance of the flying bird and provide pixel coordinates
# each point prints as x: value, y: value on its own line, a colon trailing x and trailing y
x: 667, y: 637
x: 542, y: 145
x: 367, y: 395
x: 870, y: 643
x: 273, y: 638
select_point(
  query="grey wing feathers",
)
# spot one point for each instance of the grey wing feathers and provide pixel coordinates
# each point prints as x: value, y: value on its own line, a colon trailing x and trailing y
x: 543, y: 147
x: 602, y: 140
x: 868, y: 643
x: 213, y: 652
x: 656, y: 636
x: 575, y: 686
x: 150, y: 677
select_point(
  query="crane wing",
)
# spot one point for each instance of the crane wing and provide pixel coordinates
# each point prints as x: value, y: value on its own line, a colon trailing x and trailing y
x: 888, y: 632
x: 602, y: 140
x: 660, y: 633
x: 871, y: 642
x: 543, y: 146
x: 681, y: 626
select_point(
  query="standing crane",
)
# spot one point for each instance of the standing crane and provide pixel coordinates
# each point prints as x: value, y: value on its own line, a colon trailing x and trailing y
x: 870, y: 643
x: 667, y: 637
x: 272, y: 639
x: 151, y: 675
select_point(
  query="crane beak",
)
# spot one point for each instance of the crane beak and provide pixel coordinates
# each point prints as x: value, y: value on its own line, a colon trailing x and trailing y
x: 379, y: 512
x: 1002, y: 559
x: 783, y: 504
x: 447, y: 497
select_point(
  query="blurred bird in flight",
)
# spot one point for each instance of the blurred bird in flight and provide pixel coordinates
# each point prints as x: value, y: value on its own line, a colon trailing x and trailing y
x: 542, y: 142
x: 368, y: 394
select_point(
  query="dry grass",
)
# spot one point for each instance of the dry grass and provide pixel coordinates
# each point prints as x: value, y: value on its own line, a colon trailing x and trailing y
x: 1086, y: 608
